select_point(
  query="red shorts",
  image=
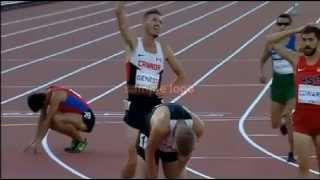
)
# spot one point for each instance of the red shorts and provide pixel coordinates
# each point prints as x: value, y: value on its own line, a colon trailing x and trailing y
x: 307, y: 121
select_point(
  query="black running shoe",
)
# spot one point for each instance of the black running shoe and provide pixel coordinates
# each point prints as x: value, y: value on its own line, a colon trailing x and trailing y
x: 291, y: 158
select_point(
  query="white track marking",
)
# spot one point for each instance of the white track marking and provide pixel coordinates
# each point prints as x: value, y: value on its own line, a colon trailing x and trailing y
x: 61, y: 21
x: 236, y: 157
x: 114, y: 85
x: 93, y: 25
x: 94, y: 40
x: 224, y: 61
x: 52, y: 14
x: 81, y: 29
x: 250, y: 141
x: 104, y: 121
x: 45, y: 145
x: 75, y: 72
x: 263, y: 135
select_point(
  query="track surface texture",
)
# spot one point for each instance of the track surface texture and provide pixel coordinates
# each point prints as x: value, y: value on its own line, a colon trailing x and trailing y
x: 77, y: 44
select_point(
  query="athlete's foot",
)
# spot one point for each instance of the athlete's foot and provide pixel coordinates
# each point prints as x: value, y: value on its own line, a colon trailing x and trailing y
x: 73, y: 144
x: 283, y: 129
x: 291, y: 158
x: 80, y: 147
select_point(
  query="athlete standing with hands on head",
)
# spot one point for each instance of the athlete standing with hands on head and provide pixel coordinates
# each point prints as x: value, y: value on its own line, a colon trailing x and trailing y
x: 306, y: 117
x: 145, y: 58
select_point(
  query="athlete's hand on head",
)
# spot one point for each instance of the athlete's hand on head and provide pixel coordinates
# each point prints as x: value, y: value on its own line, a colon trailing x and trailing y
x: 301, y: 28
x: 34, y: 145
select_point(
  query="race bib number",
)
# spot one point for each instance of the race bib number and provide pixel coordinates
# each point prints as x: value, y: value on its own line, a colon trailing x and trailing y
x: 147, y: 80
x: 309, y: 94
x: 143, y: 141
x: 87, y: 115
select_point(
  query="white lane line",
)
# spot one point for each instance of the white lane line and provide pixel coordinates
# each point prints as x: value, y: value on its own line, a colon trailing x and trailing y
x: 238, y: 157
x: 263, y: 135
x: 113, y: 85
x: 52, y: 14
x: 242, y: 60
x: 101, y: 121
x: 232, y: 85
x: 226, y: 59
x: 198, y: 173
x: 249, y: 140
x: 80, y: 69
x: 92, y: 41
x: 81, y: 29
x: 61, y: 22
x: 206, y: 119
x: 45, y: 145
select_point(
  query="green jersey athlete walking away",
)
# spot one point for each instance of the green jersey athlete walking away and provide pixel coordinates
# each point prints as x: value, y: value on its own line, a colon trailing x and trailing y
x: 282, y: 88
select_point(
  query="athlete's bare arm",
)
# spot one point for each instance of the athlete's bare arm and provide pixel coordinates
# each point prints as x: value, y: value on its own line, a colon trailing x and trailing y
x: 265, y: 56
x: 274, y: 40
x: 45, y: 123
x: 126, y: 35
x: 175, y: 66
x: 159, y: 130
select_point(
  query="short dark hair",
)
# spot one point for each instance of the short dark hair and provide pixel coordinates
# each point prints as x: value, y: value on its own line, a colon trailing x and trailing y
x: 285, y: 15
x: 185, y: 139
x: 151, y: 11
x: 312, y: 29
x: 36, y: 101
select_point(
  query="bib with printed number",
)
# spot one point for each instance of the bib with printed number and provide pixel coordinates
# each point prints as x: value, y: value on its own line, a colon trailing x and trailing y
x: 148, y: 81
x: 309, y: 94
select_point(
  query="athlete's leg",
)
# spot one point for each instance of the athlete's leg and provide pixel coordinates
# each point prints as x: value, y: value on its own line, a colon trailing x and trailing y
x: 302, y: 147
x: 72, y: 118
x: 316, y: 141
x: 289, y: 125
x: 174, y: 170
x: 276, y: 114
x: 69, y: 124
x: 141, y: 169
x: 130, y: 167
